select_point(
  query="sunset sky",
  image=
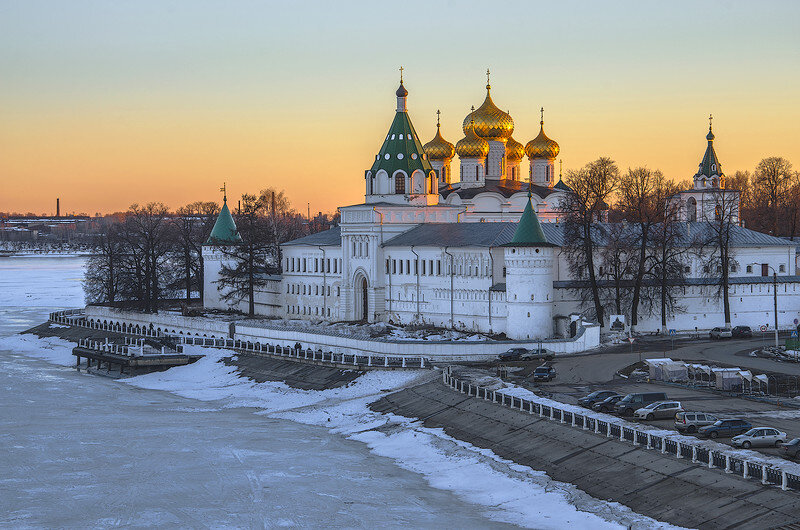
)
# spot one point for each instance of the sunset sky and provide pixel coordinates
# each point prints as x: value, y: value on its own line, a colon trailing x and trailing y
x: 107, y: 103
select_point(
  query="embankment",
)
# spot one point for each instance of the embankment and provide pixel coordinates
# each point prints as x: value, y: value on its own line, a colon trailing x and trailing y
x: 662, y: 487
x: 258, y: 368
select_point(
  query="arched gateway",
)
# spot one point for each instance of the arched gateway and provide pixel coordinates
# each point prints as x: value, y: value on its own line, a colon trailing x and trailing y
x: 361, y: 300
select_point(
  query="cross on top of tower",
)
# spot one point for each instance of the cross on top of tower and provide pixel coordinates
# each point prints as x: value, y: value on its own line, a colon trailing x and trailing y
x: 438, y: 112
x: 401, y: 75
x: 710, y: 117
x: 224, y: 191
x: 541, y: 122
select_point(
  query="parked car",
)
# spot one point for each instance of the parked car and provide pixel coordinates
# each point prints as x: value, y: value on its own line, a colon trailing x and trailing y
x: 632, y: 402
x: 742, y: 332
x: 691, y: 421
x: 720, y: 333
x: 659, y: 410
x: 791, y: 449
x: 595, y: 397
x: 759, y: 437
x: 724, y: 428
x: 544, y: 373
x: 607, y: 405
x: 514, y: 354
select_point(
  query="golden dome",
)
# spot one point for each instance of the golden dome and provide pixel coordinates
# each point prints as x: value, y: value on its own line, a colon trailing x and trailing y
x: 542, y: 146
x: 472, y: 145
x: 514, y: 149
x: 491, y: 123
x: 439, y: 148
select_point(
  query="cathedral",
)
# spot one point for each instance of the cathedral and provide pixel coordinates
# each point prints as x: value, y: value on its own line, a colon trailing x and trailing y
x: 481, y: 249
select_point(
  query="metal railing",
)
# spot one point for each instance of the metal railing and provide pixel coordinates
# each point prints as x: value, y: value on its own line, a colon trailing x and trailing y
x: 721, y: 459
x: 310, y: 354
x: 131, y: 348
x: 75, y: 317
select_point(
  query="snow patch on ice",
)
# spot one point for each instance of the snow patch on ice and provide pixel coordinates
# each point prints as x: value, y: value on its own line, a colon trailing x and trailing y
x: 51, y: 349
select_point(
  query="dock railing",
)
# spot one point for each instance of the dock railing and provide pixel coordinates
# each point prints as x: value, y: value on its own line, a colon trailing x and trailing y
x: 727, y: 461
x: 75, y: 317
x: 131, y: 348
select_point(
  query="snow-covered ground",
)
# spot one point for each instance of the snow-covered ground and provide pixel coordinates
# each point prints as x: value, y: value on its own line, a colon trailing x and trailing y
x: 503, y: 491
x: 510, y: 493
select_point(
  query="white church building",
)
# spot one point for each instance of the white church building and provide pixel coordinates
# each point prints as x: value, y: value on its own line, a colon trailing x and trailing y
x: 480, y: 250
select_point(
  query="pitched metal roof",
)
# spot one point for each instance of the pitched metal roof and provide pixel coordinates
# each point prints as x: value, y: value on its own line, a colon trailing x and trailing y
x: 529, y: 231
x: 224, y: 231
x: 401, y: 149
x: 496, y: 234
x: 506, y: 188
x: 326, y: 238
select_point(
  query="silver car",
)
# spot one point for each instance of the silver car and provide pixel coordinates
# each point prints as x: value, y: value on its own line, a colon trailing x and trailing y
x: 658, y: 410
x: 759, y: 437
x: 691, y: 421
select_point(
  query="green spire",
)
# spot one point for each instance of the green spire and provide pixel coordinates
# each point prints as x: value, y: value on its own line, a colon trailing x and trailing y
x: 224, y: 231
x: 529, y: 232
x: 710, y: 164
x: 401, y: 149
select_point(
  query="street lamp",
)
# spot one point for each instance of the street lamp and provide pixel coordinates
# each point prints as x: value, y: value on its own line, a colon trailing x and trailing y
x: 774, y: 297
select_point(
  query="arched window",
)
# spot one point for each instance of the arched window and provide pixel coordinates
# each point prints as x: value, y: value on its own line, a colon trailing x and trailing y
x: 691, y: 209
x: 717, y: 212
x: 400, y: 183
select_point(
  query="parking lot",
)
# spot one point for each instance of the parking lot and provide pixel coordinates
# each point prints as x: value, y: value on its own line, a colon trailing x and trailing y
x: 579, y: 375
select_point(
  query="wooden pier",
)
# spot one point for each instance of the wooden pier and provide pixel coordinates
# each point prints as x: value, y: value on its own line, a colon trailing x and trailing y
x: 128, y: 360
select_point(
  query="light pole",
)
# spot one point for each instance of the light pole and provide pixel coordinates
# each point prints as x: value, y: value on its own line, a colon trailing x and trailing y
x: 774, y: 298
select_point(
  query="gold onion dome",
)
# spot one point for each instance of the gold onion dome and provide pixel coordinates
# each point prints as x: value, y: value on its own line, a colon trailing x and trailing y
x: 514, y: 149
x: 542, y: 146
x: 439, y: 148
x: 491, y: 123
x: 472, y: 145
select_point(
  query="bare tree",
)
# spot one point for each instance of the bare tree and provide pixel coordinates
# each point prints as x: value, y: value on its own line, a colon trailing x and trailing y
x: 592, y: 187
x: 615, y: 272
x: 150, y: 238
x: 668, y: 254
x: 640, y: 206
x: 714, y: 248
x: 101, y: 282
x: 772, y: 181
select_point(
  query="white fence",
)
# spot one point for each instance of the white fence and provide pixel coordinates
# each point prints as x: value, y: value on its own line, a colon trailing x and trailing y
x: 75, y: 317
x: 131, y: 348
x: 309, y: 354
x: 720, y: 459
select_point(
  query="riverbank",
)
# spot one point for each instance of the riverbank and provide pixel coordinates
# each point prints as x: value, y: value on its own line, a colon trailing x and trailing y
x: 509, y: 492
x: 648, y: 482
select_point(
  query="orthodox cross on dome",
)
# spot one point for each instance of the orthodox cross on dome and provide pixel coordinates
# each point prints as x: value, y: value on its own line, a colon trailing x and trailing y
x: 541, y: 121
x: 438, y: 113
x: 472, y: 116
x: 560, y: 164
x: 710, y: 117
x: 488, y: 86
x: 401, y: 75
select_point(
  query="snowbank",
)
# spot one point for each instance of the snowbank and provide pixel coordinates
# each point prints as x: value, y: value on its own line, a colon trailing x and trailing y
x: 510, y: 492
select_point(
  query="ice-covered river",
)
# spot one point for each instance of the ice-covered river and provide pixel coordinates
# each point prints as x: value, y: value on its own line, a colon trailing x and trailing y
x: 82, y: 450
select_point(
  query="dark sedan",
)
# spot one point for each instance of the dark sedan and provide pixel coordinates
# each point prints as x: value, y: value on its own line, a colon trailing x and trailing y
x: 514, y: 354
x: 791, y: 449
x: 724, y: 429
x: 607, y: 405
x: 595, y: 397
x: 742, y: 332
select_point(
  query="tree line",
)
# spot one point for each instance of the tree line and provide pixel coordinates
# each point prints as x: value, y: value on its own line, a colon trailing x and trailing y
x: 630, y: 254
x: 150, y: 254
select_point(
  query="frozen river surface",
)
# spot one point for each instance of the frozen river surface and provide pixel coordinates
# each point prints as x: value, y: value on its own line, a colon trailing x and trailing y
x: 81, y: 450
x: 198, y: 446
